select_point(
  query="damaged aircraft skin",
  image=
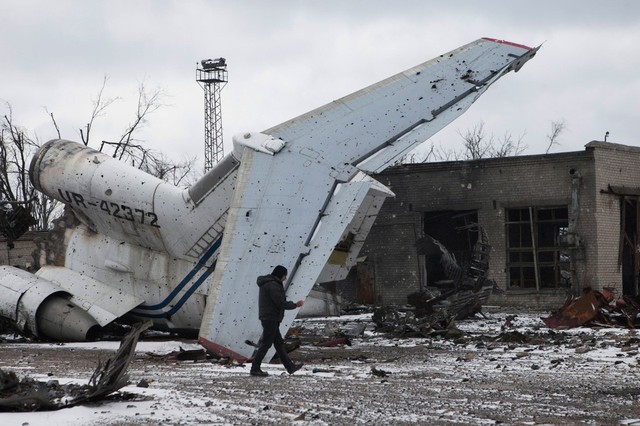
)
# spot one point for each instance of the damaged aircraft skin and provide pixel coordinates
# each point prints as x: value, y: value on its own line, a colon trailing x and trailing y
x: 188, y: 258
x: 27, y: 394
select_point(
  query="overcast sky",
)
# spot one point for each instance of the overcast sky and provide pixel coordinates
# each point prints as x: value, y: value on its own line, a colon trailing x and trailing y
x: 288, y: 57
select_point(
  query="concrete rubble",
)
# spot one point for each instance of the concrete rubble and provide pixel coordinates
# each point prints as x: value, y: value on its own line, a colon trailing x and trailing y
x: 434, y: 309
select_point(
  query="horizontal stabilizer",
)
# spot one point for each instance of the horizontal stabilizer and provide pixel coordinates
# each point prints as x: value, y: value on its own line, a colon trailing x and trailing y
x: 376, y: 126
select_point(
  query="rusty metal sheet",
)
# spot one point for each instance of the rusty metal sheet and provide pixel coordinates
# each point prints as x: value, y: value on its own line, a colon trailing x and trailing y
x: 577, y: 312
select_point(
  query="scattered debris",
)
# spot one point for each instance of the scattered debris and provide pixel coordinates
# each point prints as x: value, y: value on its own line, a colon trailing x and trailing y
x: 512, y: 337
x: 379, y: 372
x: 356, y: 330
x: 434, y: 309
x: 597, y: 309
x: 469, y: 356
x: 465, y: 288
x: 190, y: 355
x: 322, y: 370
x: 336, y: 334
x: 335, y: 342
x: 291, y: 341
x: 526, y: 359
x: 27, y: 394
x: 405, y: 323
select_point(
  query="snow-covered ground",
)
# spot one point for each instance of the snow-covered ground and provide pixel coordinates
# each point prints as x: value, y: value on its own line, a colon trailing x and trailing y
x: 496, y: 371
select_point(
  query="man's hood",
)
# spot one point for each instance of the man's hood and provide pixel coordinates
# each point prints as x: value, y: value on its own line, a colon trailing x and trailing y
x: 262, y: 280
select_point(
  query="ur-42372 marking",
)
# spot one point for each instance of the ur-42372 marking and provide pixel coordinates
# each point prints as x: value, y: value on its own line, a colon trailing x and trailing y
x: 120, y: 211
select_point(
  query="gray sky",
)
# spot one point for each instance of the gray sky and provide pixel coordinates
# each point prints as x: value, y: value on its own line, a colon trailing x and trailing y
x: 287, y: 57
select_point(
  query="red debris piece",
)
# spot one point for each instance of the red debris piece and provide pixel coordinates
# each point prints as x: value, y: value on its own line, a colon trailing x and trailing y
x: 598, y: 308
x: 577, y: 311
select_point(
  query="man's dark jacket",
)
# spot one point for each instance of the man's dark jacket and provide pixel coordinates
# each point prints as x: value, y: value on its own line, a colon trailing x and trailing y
x: 273, y: 301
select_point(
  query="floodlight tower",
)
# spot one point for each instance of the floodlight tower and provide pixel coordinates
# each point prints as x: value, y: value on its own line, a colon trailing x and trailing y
x: 212, y: 77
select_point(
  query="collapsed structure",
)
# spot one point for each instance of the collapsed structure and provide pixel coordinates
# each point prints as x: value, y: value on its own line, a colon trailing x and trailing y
x: 457, y: 288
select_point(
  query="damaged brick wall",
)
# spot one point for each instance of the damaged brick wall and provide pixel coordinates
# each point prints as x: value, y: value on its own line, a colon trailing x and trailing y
x: 489, y: 186
x: 617, y: 166
x: 22, y: 255
x: 395, y: 269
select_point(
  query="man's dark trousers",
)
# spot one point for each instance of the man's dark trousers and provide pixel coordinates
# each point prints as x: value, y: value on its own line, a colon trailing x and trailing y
x: 271, y: 336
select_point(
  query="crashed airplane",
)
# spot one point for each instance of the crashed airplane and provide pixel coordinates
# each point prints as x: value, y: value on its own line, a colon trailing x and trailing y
x: 293, y: 195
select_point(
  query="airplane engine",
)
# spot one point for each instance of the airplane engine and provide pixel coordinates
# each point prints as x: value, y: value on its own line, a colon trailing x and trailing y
x: 41, y: 308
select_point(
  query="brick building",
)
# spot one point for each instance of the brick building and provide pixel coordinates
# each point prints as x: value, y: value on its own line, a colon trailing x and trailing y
x: 557, y: 223
x: 21, y: 254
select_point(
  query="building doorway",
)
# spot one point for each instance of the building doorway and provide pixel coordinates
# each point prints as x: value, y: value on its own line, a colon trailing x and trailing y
x: 629, y: 244
x: 457, y: 231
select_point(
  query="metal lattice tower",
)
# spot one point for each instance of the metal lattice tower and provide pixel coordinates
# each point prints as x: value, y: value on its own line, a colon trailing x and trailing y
x: 212, y: 76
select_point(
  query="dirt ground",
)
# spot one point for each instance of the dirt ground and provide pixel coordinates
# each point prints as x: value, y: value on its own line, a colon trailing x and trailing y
x: 521, y: 374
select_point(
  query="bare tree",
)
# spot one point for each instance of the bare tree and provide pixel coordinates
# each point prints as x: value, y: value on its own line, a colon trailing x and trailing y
x: 429, y: 154
x: 476, y: 144
x: 557, y: 127
x: 155, y: 163
x: 180, y: 174
x: 507, y: 147
x: 447, y: 154
x: 148, y: 102
x: 100, y: 105
x: 128, y: 147
x: 16, y: 149
x: 55, y: 123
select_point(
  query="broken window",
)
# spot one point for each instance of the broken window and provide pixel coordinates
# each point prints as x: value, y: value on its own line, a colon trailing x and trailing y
x: 535, y: 259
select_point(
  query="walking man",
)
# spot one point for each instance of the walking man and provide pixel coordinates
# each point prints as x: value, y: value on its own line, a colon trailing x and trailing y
x: 273, y: 303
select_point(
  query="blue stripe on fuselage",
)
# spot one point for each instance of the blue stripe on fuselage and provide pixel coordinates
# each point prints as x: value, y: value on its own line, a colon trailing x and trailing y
x: 184, y: 298
x: 209, y: 253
